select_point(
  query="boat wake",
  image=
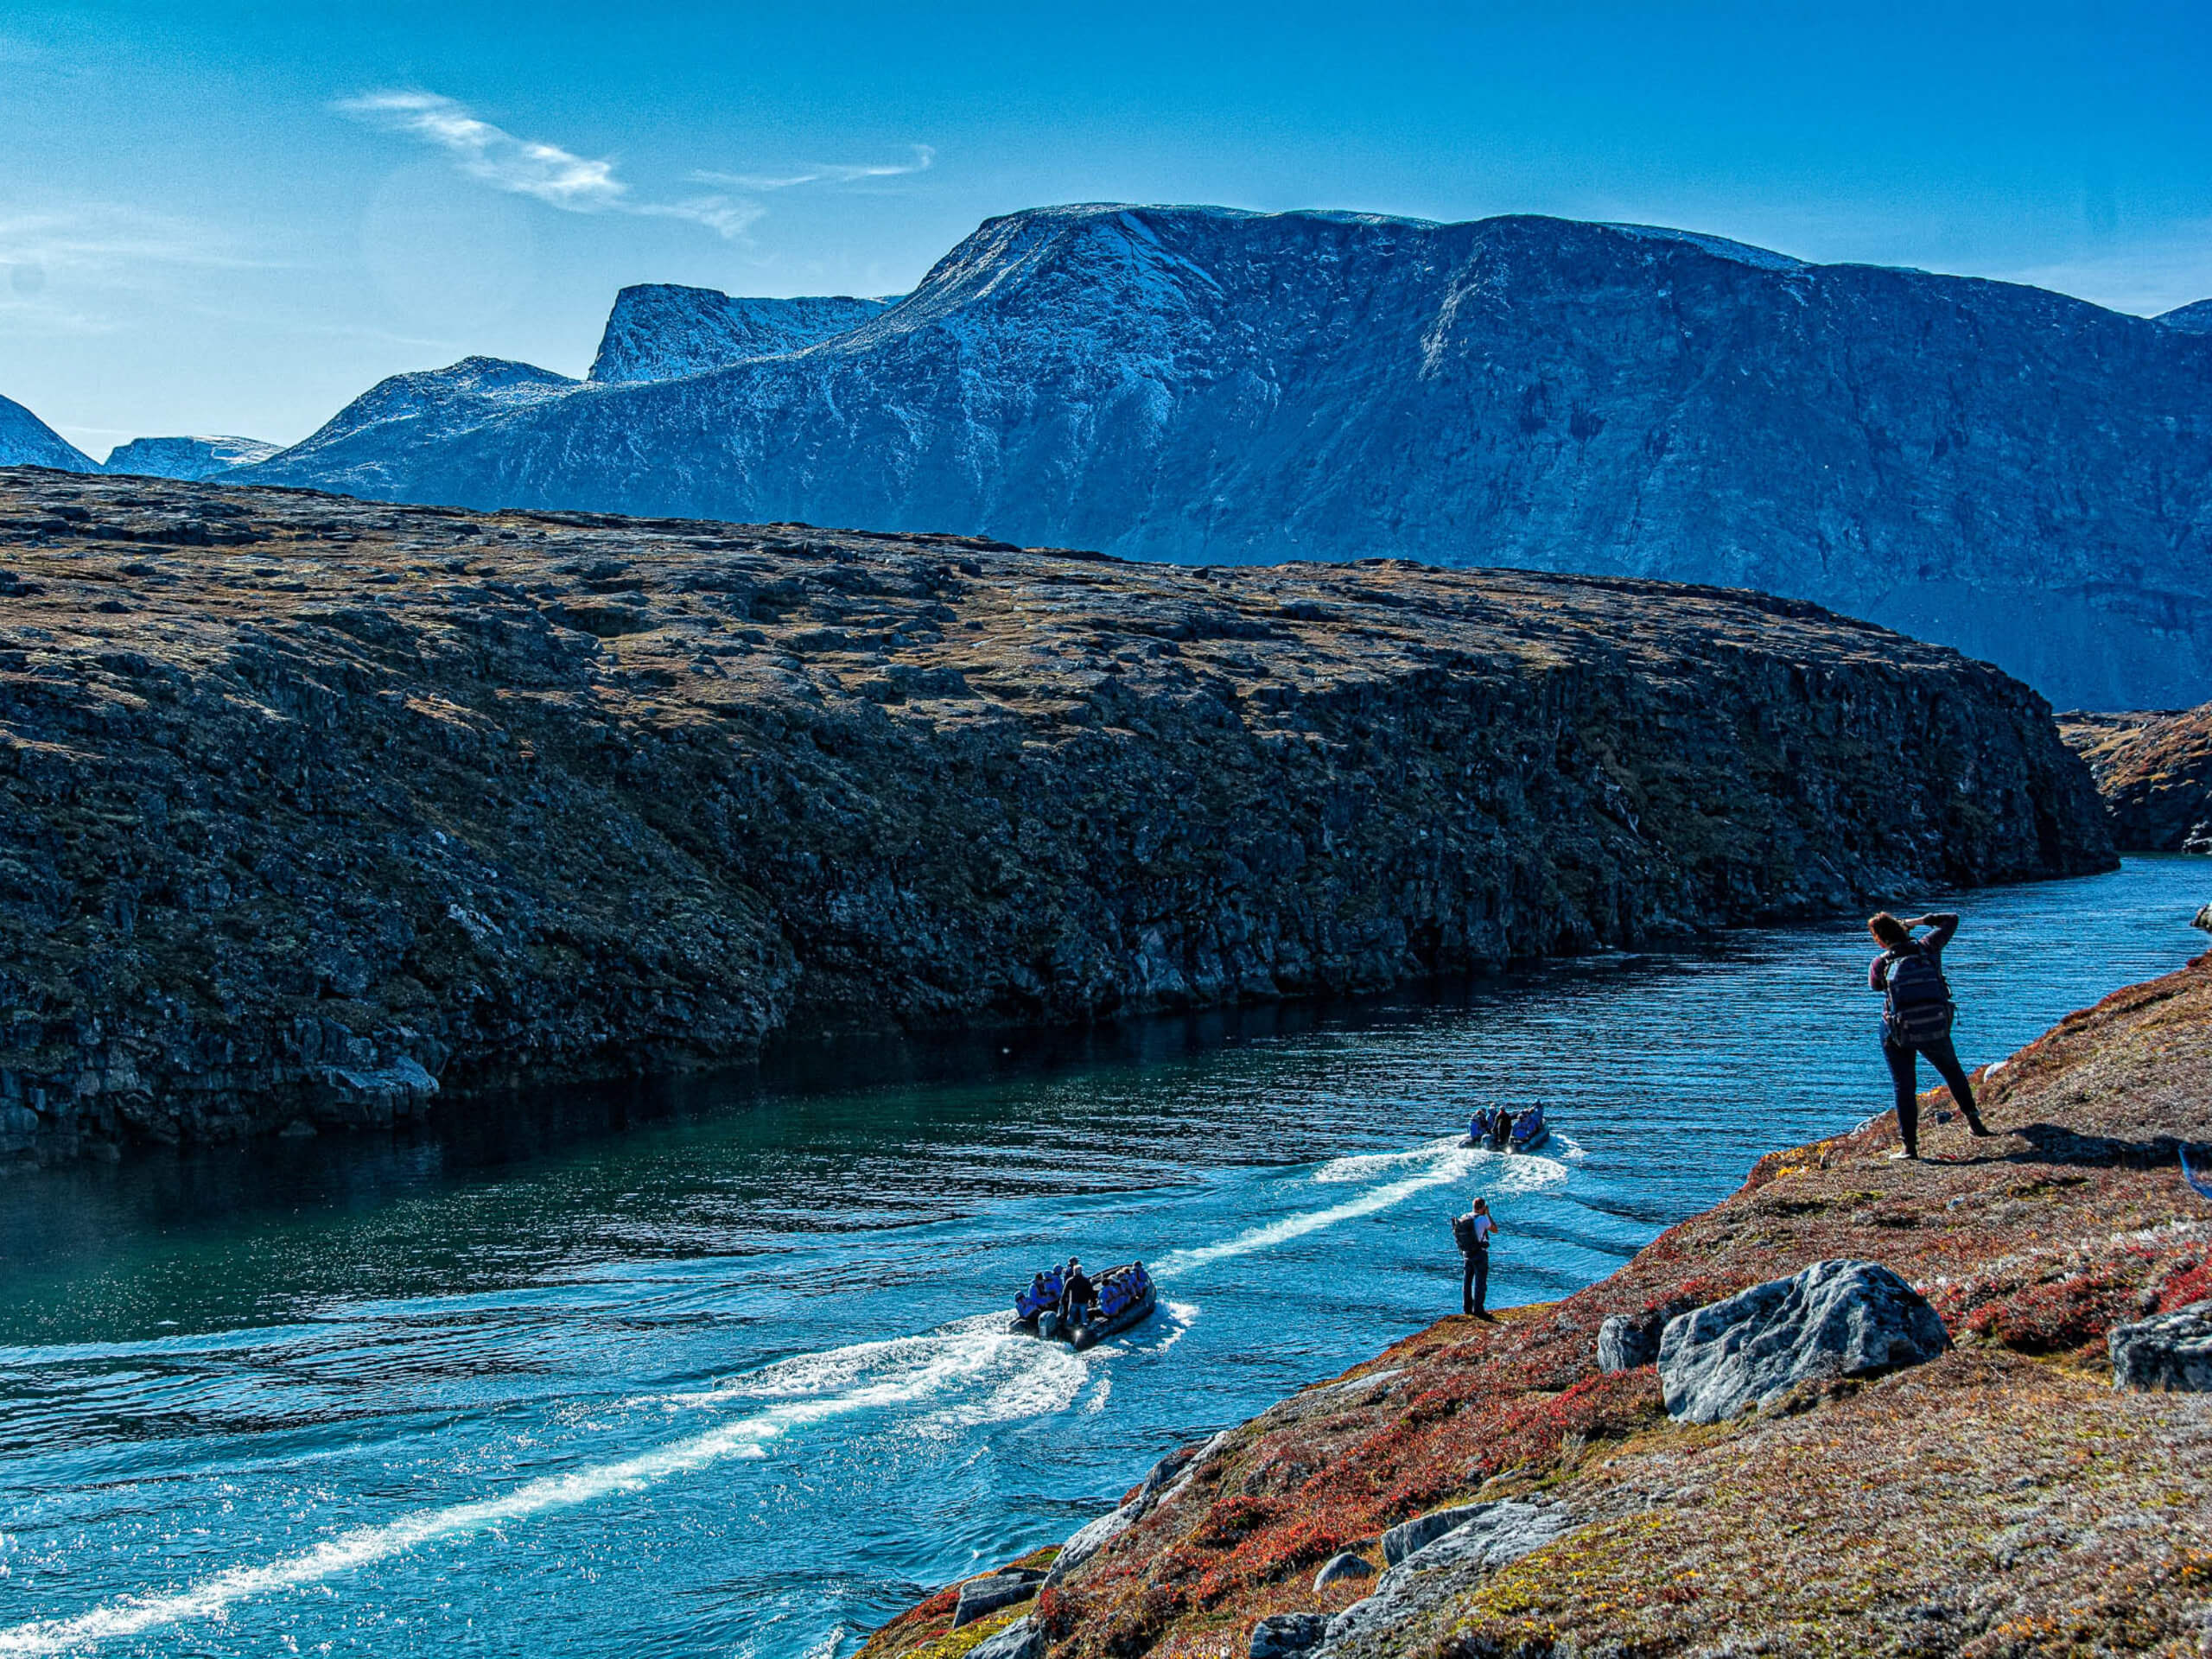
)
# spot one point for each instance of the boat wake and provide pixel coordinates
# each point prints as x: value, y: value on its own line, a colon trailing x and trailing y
x: 991, y: 1375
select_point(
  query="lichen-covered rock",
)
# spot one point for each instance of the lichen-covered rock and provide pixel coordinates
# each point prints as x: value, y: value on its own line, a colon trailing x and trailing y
x: 1280, y: 1635
x: 1628, y: 1340
x: 1483, y: 1538
x: 304, y: 801
x: 1409, y: 1537
x: 980, y: 1598
x: 1019, y: 1640
x: 1836, y: 1318
x: 1340, y: 1567
x: 2168, y: 1352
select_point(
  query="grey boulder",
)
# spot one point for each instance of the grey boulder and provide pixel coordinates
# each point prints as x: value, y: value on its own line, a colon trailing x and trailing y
x: 2168, y: 1352
x: 1418, y: 1533
x: 982, y: 1597
x: 1019, y: 1640
x: 1836, y: 1318
x: 1490, y: 1536
x: 1343, y: 1565
x: 1286, y: 1633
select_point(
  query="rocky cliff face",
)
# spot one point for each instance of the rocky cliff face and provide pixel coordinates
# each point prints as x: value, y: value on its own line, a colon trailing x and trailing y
x: 2001, y: 1499
x: 26, y: 440
x: 2025, y: 476
x: 2155, y: 772
x: 2190, y: 319
x: 185, y: 458
x: 659, y: 331
x: 311, y: 805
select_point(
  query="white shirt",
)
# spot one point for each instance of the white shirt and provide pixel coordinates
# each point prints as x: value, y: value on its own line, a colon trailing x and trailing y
x: 1484, y: 1228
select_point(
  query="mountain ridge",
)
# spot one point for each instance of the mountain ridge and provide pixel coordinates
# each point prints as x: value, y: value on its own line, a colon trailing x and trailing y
x: 2023, y: 475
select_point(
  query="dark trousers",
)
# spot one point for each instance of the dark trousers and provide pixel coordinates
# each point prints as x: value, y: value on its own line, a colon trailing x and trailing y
x: 1905, y: 1074
x: 1474, y: 1284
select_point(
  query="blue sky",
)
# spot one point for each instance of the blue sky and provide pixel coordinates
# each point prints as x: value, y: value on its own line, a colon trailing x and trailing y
x: 232, y: 218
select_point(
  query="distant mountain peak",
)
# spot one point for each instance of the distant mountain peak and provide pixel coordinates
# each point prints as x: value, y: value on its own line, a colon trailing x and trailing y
x: 187, y: 458
x: 26, y: 440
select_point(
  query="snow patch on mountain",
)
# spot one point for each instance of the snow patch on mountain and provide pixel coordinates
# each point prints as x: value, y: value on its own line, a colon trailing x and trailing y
x: 26, y: 440
x: 659, y: 331
x: 187, y: 458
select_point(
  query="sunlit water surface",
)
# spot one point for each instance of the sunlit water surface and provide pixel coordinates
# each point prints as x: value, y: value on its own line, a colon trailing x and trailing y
x: 733, y: 1380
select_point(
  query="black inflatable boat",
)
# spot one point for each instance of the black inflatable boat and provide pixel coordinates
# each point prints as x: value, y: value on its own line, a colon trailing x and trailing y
x: 1128, y: 1289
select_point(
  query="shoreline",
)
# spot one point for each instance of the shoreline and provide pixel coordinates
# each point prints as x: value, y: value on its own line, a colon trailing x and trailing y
x: 2030, y: 1246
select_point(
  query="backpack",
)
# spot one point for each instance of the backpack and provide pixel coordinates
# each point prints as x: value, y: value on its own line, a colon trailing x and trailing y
x: 1919, y: 1010
x: 1462, y: 1233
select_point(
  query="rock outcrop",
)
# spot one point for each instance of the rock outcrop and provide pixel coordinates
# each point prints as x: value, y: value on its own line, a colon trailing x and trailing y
x: 26, y: 440
x: 309, y: 803
x: 1834, y: 1319
x: 2005, y: 1488
x: 659, y: 331
x: 2154, y: 771
x: 2021, y: 475
x: 185, y: 458
x: 2167, y: 1351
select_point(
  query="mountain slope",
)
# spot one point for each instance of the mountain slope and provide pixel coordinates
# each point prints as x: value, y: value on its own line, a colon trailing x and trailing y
x: 659, y: 331
x: 185, y: 458
x: 372, y: 445
x: 26, y: 440
x: 2190, y: 319
x: 2025, y: 476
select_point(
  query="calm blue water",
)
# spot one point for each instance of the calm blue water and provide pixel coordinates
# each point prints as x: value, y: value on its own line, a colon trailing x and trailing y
x: 732, y: 1381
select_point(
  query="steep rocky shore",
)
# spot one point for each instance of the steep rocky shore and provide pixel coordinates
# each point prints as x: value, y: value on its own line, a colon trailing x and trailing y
x: 313, y: 807
x: 2000, y: 1499
x: 2154, y: 771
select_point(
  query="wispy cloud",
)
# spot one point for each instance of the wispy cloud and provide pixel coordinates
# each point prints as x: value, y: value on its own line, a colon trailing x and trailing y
x: 824, y: 173
x: 579, y: 184
x: 91, y: 251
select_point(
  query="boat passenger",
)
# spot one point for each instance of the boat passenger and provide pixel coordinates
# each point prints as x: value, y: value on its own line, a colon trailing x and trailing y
x: 1077, y: 1296
x: 1501, y: 1130
x: 1916, y: 1016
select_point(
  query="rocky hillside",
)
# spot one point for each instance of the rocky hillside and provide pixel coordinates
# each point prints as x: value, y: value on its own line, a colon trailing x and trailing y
x: 2021, y: 475
x: 308, y: 806
x: 185, y: 458
x: 2000, y: 1499
x: 26, y: 440
x: 2154, y: 771
x: 659, y: 331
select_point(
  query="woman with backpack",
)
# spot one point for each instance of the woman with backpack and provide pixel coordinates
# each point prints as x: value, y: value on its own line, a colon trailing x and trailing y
x: 1916, y: 1015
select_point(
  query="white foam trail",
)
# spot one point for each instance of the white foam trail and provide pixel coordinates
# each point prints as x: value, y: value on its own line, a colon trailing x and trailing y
x: 1526, y: 1173
x: 1097, y: 1401
x: 1449, y: 1165
x: 1365, y: 1166
x: 943, y: 1364
x: 1574, y: 1152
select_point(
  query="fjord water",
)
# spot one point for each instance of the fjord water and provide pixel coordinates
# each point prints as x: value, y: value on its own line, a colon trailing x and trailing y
x: 736, y: 1380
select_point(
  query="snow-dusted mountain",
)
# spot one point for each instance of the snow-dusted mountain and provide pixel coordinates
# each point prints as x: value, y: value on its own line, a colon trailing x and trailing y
x: 659, y: 331
x: 2022, y: 475
x: 185, y: 458
x: 372, y: 446
x: 26, y: 440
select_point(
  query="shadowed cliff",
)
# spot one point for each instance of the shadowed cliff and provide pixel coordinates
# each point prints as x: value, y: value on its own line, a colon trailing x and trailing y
x: 312, y: 806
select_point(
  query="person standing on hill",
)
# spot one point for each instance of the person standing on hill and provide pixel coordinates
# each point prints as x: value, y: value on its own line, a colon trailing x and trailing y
x: 1472, y: 1232
x: 1916, y: 1016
